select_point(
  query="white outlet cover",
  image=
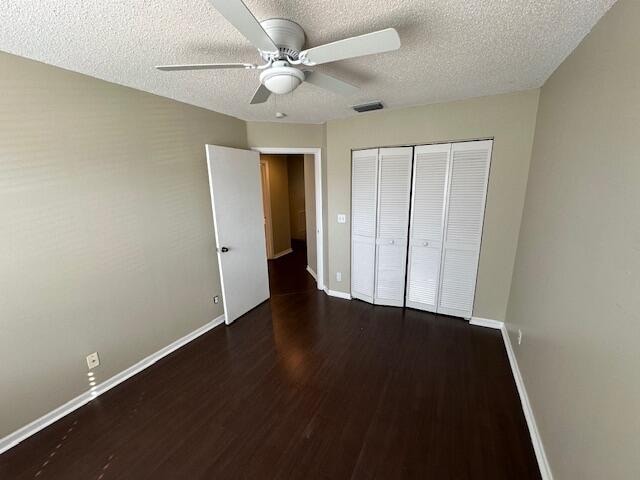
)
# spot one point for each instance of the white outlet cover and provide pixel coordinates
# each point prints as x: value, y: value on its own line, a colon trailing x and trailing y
x: 342, y: 218
x: 339, y: 276
x: 93, y: 360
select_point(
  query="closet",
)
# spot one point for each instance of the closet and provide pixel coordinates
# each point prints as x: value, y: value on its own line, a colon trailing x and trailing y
x: 417, y: 216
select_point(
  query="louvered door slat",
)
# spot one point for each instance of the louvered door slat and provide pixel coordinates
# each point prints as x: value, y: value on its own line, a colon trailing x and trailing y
x: 394, y: 184
x: 364, y: 186
x: 458, y: 280
x: 430, y: 170
x: 469, y: 171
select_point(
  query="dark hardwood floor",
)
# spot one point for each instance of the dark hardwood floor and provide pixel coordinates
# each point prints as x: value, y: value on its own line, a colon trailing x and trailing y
x: 288, y: 274
x: 304, y: 386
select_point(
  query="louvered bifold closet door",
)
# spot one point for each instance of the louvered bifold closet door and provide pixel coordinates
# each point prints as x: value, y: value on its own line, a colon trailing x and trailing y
x: 469, y: 173
x: 364, y: 200
x: 430, y: 170
x: 394, y: 187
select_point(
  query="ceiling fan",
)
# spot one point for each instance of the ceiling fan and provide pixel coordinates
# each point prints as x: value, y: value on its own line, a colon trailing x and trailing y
x: 280, y: 41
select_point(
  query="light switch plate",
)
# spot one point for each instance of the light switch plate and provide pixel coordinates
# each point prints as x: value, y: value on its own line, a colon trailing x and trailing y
x: 342, y: 218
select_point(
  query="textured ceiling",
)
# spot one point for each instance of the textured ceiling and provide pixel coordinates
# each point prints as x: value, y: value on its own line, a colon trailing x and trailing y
x: 452, y: 49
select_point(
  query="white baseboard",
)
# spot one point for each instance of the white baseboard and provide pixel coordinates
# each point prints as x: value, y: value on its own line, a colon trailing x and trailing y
x: 487, y: 322
x: 282, y: 253
x: 541, y: 456
x: 336, y: 293
x: 313, y: 274
x: 536, y: 440
x: 21, y: 434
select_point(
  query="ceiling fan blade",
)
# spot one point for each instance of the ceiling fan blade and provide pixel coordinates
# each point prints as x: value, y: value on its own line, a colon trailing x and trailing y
x: 241, y: 17
x: 330, y: 83
x: 205, y: 66
x: 367, y: 44
x: 262, y: 95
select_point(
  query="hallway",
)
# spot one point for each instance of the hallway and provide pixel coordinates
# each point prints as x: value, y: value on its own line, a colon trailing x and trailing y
x: 289, y: 274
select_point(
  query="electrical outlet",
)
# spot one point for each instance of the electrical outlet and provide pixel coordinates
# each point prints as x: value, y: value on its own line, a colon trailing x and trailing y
x: 519, y: 337
x: 93, y: 360
x: 216, y: 299
x: 339, y: 276
x: 342, y: 218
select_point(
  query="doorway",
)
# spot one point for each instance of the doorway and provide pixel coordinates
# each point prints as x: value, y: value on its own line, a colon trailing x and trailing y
x: 292, y: 205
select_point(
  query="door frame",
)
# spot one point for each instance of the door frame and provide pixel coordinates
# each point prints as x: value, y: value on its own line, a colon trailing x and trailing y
x: 267, y: 208
x: 317, y: 153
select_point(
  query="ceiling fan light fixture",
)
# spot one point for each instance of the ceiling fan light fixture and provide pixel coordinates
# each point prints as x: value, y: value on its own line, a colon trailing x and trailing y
x: 281, y: 79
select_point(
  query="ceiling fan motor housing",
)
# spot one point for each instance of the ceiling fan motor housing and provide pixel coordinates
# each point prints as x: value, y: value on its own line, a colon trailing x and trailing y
x: 286, y: 34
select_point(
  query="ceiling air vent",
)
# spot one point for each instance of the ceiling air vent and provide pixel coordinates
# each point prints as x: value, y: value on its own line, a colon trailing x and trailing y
x: 367, y: 107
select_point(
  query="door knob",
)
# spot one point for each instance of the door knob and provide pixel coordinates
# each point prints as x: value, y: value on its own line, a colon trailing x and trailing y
x: 425, y: 244
x: 224, y: 249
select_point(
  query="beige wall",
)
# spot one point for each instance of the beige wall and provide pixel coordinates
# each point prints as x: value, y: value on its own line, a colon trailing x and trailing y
x: 576, y: 285
x: 297, y: 214
x: 106, y: 237
x: 310, y: 208
x: 508, y: 118
x: 279, y: 134
x: 279, y: 195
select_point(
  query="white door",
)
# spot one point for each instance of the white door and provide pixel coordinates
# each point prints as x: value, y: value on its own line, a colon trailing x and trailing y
x: 394, y: 186
x: 364, y: 187
x: 236, y: 200
x: 468, y: 177
x: 428, y: 202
